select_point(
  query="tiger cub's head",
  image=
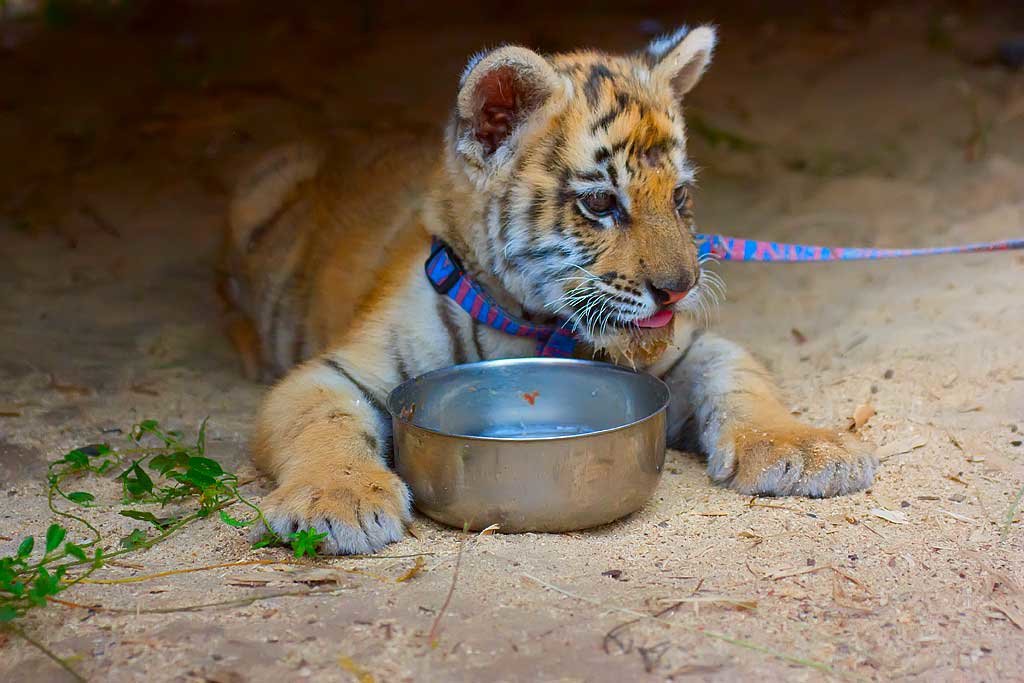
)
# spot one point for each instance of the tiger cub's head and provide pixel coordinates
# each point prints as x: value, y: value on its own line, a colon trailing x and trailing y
x: 577, y: 164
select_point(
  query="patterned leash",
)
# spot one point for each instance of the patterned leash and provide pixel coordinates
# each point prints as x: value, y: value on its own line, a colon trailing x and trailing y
x: 739, y: 249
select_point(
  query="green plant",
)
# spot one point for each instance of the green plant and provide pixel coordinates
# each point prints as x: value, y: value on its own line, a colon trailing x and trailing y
x: 157, y: 469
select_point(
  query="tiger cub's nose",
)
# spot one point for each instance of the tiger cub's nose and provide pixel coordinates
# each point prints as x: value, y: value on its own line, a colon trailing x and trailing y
x: 667, y: 293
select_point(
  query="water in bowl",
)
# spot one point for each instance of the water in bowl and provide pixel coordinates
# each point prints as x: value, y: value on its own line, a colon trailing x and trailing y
x: 533, y: 431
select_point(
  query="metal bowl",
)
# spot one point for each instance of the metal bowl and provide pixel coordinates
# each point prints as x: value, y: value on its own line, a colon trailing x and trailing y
x: 530, y: 444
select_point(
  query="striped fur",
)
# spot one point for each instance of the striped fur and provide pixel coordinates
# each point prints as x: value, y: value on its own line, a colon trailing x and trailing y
x: 325, y: 257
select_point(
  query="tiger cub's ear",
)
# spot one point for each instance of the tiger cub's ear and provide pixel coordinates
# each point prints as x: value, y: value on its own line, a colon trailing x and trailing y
x: 498, y: 92
x: 680, y: 58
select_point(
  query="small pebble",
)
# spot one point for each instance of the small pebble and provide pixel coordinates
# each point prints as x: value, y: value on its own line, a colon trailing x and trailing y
x: 889, y: 373
x: 958, y: 498
x: 904, y: 503
x: 1016, y: 442
x: 810, y: 562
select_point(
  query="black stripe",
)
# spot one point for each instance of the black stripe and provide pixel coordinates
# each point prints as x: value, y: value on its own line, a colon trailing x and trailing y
x: 475, y: 334
x: 592, y: 88
x: 260, y: 231
x: 697, y: 334
x: 605, y: 121
x: 458, y: 349
x: 621, y: 145
x: 370, y: 398
x: 371, y: 442
x: 622, y: 102
x: 553, y: 156
x: 299, y: 318
x: 537, y: 203
x: 541, y: 253
x: 281, y: 293
x: 403, y: 369
x: 613, y: 175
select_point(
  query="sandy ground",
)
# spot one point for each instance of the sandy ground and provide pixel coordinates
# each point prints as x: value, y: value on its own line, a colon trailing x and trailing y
x: 882, y: 127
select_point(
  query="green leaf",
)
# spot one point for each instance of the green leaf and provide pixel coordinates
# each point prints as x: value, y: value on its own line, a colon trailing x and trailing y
x: 164, y: 463
x: 143, y: 516
x: 81, y: 497
x: 231, y: 521
x: 201, y: 441
x: 77, y: 459
x: 8, y: 614
x: 94, y: 450
x: 199, y: 479
x: 133, y: 540
x: 147, y: 427
x: 136, y: 482
x: 305, y: 542
x: 45, y: 585
x: 25, y: 549
x: 268, y: 538
x: 54, y: 535
x: 206, y: 466
x: 75, y: 551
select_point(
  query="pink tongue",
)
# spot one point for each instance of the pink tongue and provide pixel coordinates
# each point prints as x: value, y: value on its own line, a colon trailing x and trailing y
x: 659, y: 319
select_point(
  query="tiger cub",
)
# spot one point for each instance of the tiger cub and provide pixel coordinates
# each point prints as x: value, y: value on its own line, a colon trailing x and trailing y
x: 563, y: 186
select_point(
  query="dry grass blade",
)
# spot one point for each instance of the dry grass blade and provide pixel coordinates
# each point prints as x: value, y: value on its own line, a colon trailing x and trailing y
x: 249, y: 563
x: 415, y: 569
x: 1014, y: 617
x: 432, y: 636
x: 795, y: 571
x: 899, y: 447
x: 1011, y: 513
x: 891, y: 516
x: 739, y: 603
x: 800, y: 571
x: 235, y: 602
x: 958, y: 516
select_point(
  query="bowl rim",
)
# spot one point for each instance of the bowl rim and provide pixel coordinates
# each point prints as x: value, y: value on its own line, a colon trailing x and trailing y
x: 577, y: 362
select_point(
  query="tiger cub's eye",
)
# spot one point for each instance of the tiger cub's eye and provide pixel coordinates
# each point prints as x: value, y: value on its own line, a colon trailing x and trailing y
x: 599, y: 203
x: 683, y: 201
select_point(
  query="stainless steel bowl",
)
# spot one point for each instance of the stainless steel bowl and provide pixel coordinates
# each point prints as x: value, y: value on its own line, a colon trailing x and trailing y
x: 530, y: 444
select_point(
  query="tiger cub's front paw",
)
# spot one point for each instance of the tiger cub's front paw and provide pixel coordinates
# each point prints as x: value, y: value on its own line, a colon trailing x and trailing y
x: 792, y: 460
x: 361, y: 509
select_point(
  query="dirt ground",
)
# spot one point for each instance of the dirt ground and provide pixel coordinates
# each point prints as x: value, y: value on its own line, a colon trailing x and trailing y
x: 884, y: 126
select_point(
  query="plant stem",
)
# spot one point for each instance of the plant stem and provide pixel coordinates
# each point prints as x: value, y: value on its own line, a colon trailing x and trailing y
x: 16, y: 630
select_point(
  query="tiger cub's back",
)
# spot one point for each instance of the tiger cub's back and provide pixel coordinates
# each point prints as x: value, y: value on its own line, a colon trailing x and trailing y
x: 308, y: 228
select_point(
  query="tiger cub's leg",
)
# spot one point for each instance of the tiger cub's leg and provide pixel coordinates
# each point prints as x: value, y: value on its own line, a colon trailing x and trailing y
x: 322, y: 436
x: 726, y: 406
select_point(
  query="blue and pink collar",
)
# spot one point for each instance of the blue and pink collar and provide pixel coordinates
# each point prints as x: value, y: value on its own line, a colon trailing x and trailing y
x: 448, y: 277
